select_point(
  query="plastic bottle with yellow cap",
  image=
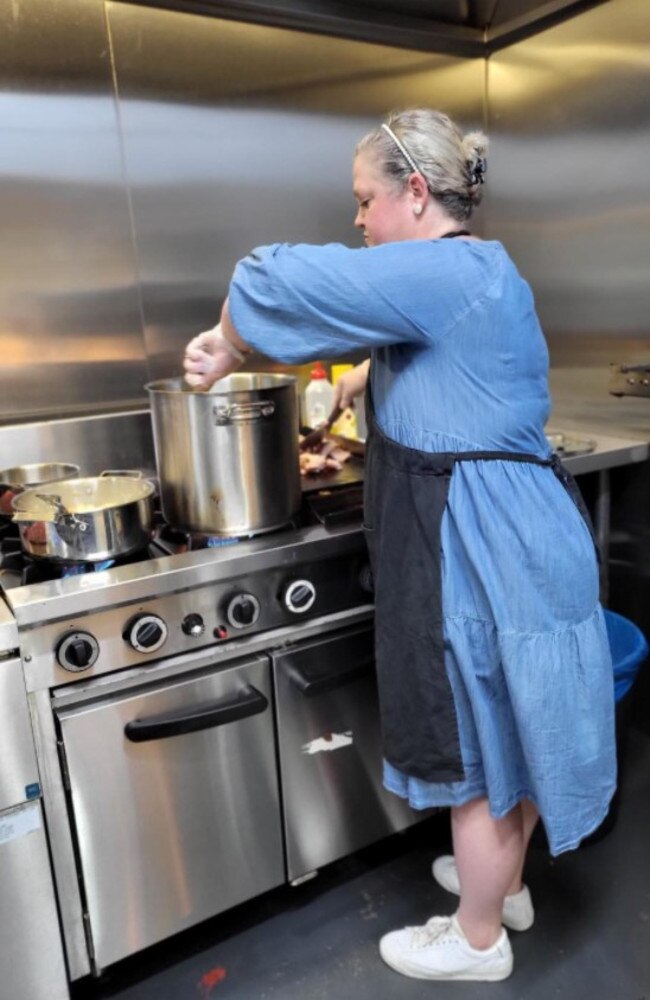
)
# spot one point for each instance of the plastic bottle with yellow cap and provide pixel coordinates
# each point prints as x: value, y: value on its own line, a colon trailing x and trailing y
x: 347, y: 422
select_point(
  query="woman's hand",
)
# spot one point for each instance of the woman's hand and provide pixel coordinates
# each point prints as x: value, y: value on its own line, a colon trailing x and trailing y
x: 209, y: 357
x: 350, y: 385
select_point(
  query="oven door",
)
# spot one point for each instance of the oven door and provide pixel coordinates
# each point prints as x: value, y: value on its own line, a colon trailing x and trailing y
x: 174, y: 799
x: 330, y: 751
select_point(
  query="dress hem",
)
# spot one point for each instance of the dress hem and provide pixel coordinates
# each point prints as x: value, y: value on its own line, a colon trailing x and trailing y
x: 555, y: 849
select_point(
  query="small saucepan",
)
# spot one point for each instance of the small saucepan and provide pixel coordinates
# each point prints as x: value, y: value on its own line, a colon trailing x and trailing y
x: 23, y: 477
x: 85, y: 520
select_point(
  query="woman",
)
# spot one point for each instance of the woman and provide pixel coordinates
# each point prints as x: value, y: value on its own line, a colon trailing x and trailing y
x: 493, y: 664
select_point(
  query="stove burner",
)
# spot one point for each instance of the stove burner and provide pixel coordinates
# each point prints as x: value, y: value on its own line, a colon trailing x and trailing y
x: 173, y: 540
x: 17, y: 569
x: 327, y: 506
x: 77, y: 569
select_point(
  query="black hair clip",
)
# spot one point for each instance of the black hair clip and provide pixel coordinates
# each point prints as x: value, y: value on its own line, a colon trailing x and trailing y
x: 477, y: 170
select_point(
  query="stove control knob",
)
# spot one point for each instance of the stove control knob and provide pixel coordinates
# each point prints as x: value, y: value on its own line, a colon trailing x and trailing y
x: 299, y: 595
x: 193, y: 625
x: 243, y: 610
x: 77, y: 651
x: 146, y: 633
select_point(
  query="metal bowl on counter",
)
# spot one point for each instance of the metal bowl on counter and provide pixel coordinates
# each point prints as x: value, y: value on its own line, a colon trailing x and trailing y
x: 568, y: 445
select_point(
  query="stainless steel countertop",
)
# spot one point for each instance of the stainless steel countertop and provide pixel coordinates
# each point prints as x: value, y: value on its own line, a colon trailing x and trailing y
x: 582, y: 403
x: 609, y: 452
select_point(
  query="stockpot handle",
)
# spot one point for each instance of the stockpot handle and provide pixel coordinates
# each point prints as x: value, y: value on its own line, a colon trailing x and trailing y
x: 249, y: 701
x: 231, y: 413
x: 312, y: 681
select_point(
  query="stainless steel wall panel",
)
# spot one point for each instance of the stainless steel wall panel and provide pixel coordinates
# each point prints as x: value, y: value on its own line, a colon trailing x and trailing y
x: 238, y: 135
x: 569, y: 116
x: 94, y: 443
x: 569, y: 120
x: 70, y: 329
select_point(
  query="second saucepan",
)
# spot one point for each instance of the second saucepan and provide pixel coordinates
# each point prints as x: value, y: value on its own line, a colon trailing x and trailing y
x: 22, y: 477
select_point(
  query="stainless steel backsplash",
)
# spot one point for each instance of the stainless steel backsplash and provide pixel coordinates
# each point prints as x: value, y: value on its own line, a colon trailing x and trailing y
x: 144, y: 152
x: 70, y: 329
x: 569, y: 119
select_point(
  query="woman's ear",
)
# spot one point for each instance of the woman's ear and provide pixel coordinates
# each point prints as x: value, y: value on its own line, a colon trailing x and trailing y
x: 417, y: 187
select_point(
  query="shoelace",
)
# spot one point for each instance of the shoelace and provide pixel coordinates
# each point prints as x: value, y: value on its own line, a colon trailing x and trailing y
x: 422, y: 937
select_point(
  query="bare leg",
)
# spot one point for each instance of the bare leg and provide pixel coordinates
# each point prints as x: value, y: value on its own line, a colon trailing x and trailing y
x: 489, y: 855
x: 530, y: 816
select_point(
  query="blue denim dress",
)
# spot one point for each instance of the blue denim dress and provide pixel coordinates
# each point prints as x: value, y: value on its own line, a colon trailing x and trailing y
x: 460, y: 364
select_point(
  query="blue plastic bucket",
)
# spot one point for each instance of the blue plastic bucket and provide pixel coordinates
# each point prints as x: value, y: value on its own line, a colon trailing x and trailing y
x: 629, y: 649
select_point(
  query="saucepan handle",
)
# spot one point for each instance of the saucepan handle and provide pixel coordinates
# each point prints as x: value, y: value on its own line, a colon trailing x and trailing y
x: 64, y: 520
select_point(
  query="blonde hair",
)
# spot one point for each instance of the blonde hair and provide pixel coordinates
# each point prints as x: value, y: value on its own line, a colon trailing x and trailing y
x: 452, y: 164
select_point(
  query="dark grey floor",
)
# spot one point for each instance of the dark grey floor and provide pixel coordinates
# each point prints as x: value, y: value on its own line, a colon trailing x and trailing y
x: 591, y: 939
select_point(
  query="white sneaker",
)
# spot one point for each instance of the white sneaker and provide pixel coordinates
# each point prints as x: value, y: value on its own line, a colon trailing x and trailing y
x: 518, y: 913
x: 440, y: 950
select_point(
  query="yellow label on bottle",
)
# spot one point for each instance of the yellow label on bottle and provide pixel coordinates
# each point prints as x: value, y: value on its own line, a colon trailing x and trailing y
x: 338, y: 370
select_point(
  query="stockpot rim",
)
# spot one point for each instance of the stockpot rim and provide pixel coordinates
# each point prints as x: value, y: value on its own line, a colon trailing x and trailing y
x: 268, y: 382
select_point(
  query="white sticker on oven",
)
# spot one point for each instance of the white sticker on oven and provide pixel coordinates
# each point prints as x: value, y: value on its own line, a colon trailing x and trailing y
x: 330, y: 741
x: 19, y: 822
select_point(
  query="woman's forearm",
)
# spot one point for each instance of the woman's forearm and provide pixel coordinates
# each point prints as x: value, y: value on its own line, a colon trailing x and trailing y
x: 230, y: 332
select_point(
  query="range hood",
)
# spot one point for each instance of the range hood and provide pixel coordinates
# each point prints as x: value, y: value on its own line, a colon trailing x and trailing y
x: 464, y: 27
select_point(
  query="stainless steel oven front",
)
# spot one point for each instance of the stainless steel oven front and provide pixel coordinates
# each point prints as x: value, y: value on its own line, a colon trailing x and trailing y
x: 209, y: 780
x: 170, y: 783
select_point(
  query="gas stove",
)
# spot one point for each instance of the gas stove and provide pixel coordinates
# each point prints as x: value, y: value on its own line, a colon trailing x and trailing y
x: 184, y: 592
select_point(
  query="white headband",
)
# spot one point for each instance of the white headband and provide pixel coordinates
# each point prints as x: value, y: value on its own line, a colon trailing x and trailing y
x: 403, y: 150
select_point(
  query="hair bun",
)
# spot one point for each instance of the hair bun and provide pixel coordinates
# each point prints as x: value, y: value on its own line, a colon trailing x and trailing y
x: 475, y: 146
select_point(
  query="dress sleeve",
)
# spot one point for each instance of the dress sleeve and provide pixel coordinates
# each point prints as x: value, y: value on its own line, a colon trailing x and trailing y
x: 294, y: 303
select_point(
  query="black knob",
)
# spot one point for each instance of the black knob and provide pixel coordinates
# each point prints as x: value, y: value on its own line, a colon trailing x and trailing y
x: 193, y: 625
x: 146, y: 633
x: 77, y: 651
x: 243, y: 610
x: 149, y: 635
x: 299, y: 595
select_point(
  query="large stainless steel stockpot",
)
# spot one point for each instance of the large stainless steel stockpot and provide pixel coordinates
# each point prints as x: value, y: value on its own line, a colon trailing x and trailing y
x: 228, y: 458
x: 85, y: 520
x: 22, y: 477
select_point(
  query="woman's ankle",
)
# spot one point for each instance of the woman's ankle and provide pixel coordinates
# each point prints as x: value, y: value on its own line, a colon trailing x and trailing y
x: 480, y: 934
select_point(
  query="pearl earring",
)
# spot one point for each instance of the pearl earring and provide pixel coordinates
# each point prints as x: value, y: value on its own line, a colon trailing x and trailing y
x: 417, y: 210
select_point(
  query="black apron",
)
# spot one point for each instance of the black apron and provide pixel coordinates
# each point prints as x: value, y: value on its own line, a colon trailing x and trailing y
x: 405, y: 495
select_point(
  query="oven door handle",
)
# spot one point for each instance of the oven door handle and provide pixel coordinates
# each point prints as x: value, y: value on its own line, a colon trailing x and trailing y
x: 249, y: 701
x: 312, y: 681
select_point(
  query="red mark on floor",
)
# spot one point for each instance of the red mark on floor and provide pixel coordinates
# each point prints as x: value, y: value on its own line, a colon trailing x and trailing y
x: 211, y: 979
